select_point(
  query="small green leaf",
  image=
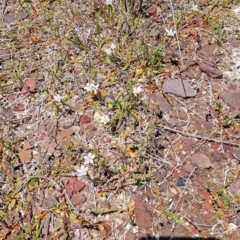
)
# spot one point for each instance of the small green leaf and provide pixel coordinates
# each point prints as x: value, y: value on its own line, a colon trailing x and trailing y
x: 104, y: 211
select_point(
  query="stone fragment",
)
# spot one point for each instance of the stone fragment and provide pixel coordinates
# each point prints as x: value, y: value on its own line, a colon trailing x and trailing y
x: 237, y: 153
x: 142, y: 216
x: 49, y: 202
x: 234, y: 188
x: 44, y: 144
x: 84, y: 119
x: 210, y: 69
x: 152, y: 9
x: 157, y: 102
x: 201, y: 160
x: 179, y: 87
x: 231, y: 98
x: 207, y: 51
x: 98, y: 116
x: 74, y: 185
x: 27, y: 146
x: 159, y: 177
x: 13, y: 17
x: 25, y: 155
x: 19, y: 107
x: 78, y: 199
x: 4, y: 55
x: 29, y: 86
x: 64, y: 133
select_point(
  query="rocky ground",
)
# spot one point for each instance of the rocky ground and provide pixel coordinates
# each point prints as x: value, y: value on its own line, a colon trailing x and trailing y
x: 119, y: 126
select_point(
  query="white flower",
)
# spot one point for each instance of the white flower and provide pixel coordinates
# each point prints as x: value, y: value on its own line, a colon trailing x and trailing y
x: 195, y: 8
x: 82, y: 171
x: 137, y: 90
x: 57, y: 98
x: 135, y: 229
x: 170, y: 32
x: 113, y: 46
x: 232, y: 226
x: 108, y: 2
x: 90, y: 87
x: 105, y: 119
x: 108, y: 51
x: 88, y: 159
x: 128, y: 226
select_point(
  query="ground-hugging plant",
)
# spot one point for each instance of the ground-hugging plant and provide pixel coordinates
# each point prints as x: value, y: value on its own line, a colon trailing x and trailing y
x: 129, y: 10
x: 130, y: 7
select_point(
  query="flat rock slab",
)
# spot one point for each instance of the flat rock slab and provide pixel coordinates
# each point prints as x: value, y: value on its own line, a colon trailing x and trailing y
x: 25, y: 155
x: 158, y: 100
x: 234, y: 188
x: 179, y: 88
x: 4, y: 54
x: 49, y: 202
x: 74, y: 185
x: 207, y: 51
x: 13, y: 17
x: 201, y: 160
x: 231, y: 98
x: 142, y: 216
x: 210, y: 69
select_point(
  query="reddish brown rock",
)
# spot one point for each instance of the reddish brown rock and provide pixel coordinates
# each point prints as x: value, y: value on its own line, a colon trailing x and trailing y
x: 158, y: 176
x: 179, y: 87
x: 157, y: 102
x: 13, y: 17
x: 49, y: 202
x: 234, y: 188
x: 27, y: 146
x: 25, y: 155
x: 78, y: 199
x: 64, y: 133
x: 29, y: 86
x: 84, y: 119
x: 201, y: 160
x: 188, y: 168
x: 74, y: 185
x: 19, y: 107
x: 4, y: 54
x: 207, y: 51
x: 210, y: 69
x: 142, y: 216
x: 151, y: 10
x: 231, y: 98
x: 44, y: 144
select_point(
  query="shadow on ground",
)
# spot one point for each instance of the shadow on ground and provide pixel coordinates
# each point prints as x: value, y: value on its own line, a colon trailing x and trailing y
x: 177, y: 238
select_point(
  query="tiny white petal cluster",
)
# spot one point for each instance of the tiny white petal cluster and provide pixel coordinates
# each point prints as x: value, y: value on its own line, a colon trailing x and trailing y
x: 195, y: 8
x: 232, y: 226
x: 135, y: 229
x: 82, y: 171
x: 128, y: 226
x: 109, y: 50
x: 113, y: 46
x: 170, y: 32
x: 108, y: 2
x: 137, y: 90
x: 105, y: 119
x: 57, y: 98
x: 91, y: 87
x: 88, y: 159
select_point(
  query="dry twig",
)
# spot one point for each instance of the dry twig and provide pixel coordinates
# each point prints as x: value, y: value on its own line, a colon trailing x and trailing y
x: 201, y: 137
